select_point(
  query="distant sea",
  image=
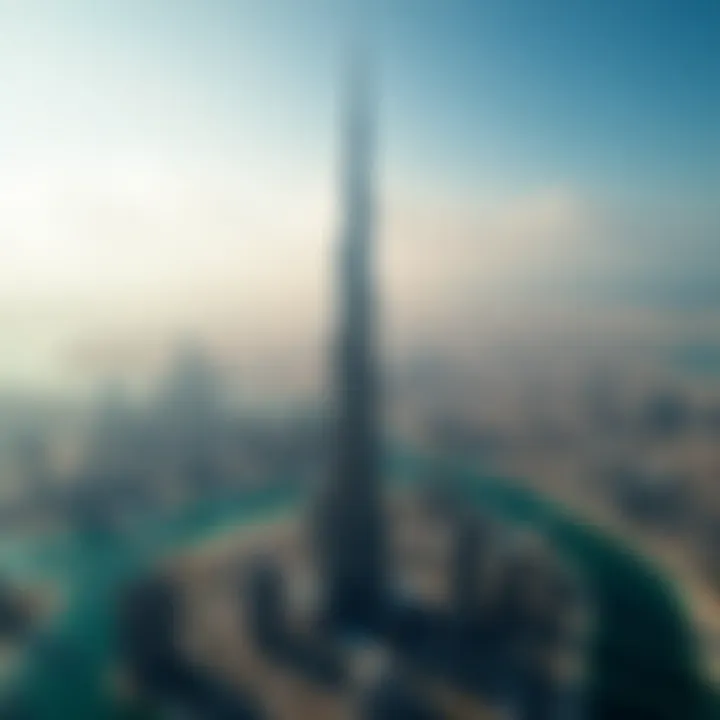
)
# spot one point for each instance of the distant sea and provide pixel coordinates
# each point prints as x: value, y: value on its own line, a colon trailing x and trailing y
x: 700, y: 359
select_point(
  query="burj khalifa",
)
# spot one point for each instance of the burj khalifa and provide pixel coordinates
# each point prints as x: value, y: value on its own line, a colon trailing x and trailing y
x: 351, y: 535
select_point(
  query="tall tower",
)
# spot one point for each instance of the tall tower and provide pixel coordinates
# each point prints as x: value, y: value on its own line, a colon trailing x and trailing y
x: 350, y: 523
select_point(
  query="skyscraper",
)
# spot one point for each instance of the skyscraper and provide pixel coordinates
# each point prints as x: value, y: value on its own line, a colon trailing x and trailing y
x: 350, y: 524
x: 371, y: 651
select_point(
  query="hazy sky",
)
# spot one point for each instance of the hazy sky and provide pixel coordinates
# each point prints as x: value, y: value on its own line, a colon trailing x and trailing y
x: 172, y: 163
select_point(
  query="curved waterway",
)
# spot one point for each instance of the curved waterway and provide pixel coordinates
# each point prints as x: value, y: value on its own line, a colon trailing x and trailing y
x: 66, y: 673
x: 644, y: 661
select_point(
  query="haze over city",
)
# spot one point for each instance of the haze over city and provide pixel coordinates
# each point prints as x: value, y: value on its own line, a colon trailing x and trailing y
x: 167, y: 170
x: 359, y: 362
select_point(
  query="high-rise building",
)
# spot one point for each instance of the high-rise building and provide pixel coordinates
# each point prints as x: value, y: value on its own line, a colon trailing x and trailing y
x: 457, y: 642
x: 351, y: 547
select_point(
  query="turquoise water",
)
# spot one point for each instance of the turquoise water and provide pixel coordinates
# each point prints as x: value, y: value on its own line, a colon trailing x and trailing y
x: 644, y: 662
x: 66, y: 674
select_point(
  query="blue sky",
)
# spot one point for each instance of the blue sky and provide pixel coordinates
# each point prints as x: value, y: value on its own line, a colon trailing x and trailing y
x: 620, y: 94
x: 160, y: 156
